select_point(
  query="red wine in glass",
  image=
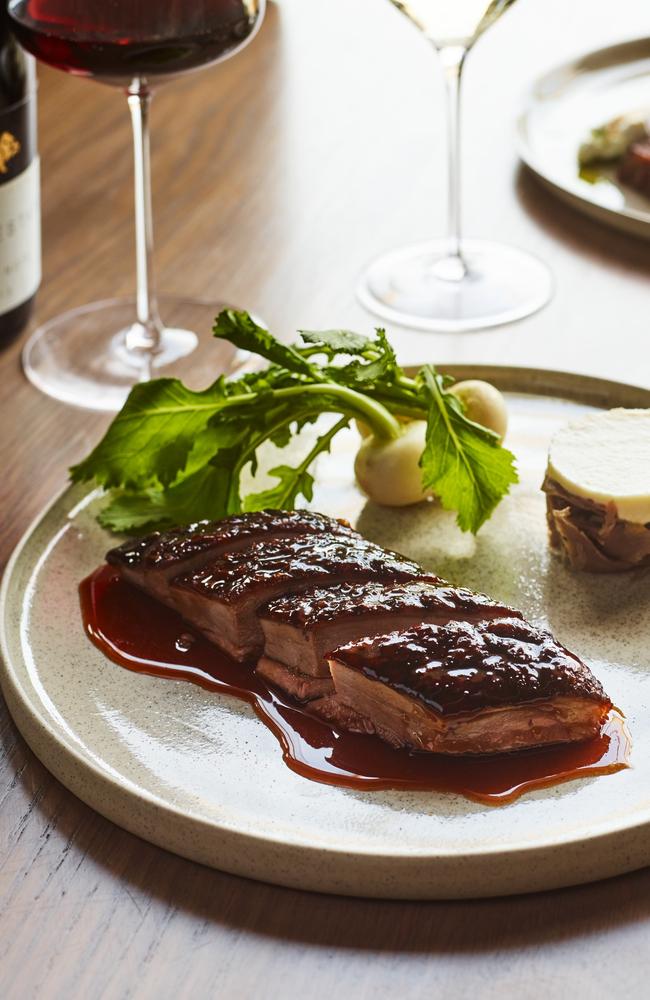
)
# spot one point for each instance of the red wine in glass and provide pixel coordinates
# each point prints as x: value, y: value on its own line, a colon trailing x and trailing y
x: 117, y: 40
x: 93, y: 356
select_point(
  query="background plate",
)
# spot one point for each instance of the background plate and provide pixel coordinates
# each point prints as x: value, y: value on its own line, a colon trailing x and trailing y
x: 564, y: 105
x: 197, y: 773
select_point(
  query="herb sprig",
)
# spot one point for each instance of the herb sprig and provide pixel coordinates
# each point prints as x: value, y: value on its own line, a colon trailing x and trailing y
x: 173, y: 455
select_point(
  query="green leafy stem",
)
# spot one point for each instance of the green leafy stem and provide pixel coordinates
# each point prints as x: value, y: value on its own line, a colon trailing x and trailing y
x: 173, y: 455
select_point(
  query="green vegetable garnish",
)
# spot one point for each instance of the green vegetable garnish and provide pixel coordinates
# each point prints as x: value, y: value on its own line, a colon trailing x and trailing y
x: 173, y: 456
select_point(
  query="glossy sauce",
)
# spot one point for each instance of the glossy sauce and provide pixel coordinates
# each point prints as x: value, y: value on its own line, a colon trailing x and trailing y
x: 137, y: 632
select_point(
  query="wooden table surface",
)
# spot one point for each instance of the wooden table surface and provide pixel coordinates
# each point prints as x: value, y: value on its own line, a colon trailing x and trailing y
x: 277, y: 175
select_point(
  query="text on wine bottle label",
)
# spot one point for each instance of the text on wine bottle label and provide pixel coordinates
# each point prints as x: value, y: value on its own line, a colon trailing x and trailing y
x: 20, y: 238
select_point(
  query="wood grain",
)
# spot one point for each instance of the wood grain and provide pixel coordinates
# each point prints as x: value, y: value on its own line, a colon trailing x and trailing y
x: 277, y: 175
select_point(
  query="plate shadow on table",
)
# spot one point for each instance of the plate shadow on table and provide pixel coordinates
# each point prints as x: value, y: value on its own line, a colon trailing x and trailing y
x: 153, y: 878
x: 576, y: 230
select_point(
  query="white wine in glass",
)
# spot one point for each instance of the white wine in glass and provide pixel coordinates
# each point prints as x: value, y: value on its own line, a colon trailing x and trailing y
x: 453, y: 22
x: 453, y: 284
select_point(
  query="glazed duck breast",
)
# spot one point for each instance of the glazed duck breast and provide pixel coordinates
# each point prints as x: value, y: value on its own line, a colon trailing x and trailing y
x: 152, y: 561
x: 299, y: 629
x: 223, y: 597
x: 491, y: 687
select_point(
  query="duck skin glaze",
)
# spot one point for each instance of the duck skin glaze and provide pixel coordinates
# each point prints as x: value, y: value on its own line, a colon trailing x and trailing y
x: 421, y: 664
x: 223, y: 597
x: 152, y: 561
x: 299, y: 629
x: 462, y: 688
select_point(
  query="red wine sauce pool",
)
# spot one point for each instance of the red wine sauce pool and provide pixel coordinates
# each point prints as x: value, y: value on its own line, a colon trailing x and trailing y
x: 137, y: 632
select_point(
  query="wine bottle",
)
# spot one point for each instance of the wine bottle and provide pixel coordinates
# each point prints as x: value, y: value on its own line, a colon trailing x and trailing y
x: 20, y: 218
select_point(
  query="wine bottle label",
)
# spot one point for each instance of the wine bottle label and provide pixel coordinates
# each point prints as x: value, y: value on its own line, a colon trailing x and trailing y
x: 20, y: 237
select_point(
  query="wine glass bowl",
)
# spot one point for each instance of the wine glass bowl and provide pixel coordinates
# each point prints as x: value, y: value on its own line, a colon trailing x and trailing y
x: 120, y: 41
x: 92, y: 356
x: 454, y: 285
x: 453, y: 23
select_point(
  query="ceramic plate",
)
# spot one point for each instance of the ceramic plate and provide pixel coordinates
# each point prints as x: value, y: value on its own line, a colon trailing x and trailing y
x: 563, y: 107
x: 198, y: 774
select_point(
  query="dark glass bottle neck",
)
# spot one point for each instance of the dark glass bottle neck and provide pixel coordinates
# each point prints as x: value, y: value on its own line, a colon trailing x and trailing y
x: 17, y: 71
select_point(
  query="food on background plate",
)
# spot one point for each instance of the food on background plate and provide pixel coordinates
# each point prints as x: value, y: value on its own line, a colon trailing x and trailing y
x: 608, y: 142
x: 187, y: 451
x: 634, y: 169
x: 597, y: 489
x: 479, y: 680
x: 623, y: 142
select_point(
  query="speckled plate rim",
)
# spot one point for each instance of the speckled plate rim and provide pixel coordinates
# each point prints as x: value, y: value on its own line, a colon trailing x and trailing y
x: 613, y: 848
x: 628, y: 220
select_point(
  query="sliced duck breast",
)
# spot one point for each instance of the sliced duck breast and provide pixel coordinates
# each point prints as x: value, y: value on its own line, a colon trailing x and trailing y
x: 463, y: 688
x: 152, y: 561
x: 299, y: 629
x: 223, y: 597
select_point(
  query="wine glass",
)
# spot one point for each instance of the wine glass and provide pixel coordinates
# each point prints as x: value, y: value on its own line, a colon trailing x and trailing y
x: 92, y: 356
x: 452, y: 285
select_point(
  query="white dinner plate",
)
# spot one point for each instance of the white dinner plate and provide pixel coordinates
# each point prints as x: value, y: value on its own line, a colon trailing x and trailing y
x: 197, y: 773
x: 562, y: 108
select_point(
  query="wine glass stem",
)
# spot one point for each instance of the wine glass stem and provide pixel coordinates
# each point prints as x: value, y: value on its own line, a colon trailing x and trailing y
x: 145, y: 335
x: 453, y: 60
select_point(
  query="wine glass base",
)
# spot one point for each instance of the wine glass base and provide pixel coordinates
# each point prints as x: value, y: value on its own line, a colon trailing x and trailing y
x: 420, y: 286
x: 81, y: 357
x: 175, y: 344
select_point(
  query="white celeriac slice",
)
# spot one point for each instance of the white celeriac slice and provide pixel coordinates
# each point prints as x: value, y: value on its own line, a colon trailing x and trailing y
x: 605, y: 457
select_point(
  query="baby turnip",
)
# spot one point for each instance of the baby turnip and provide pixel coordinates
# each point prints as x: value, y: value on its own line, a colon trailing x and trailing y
x: 483, y: 404
x: 388, y: 471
